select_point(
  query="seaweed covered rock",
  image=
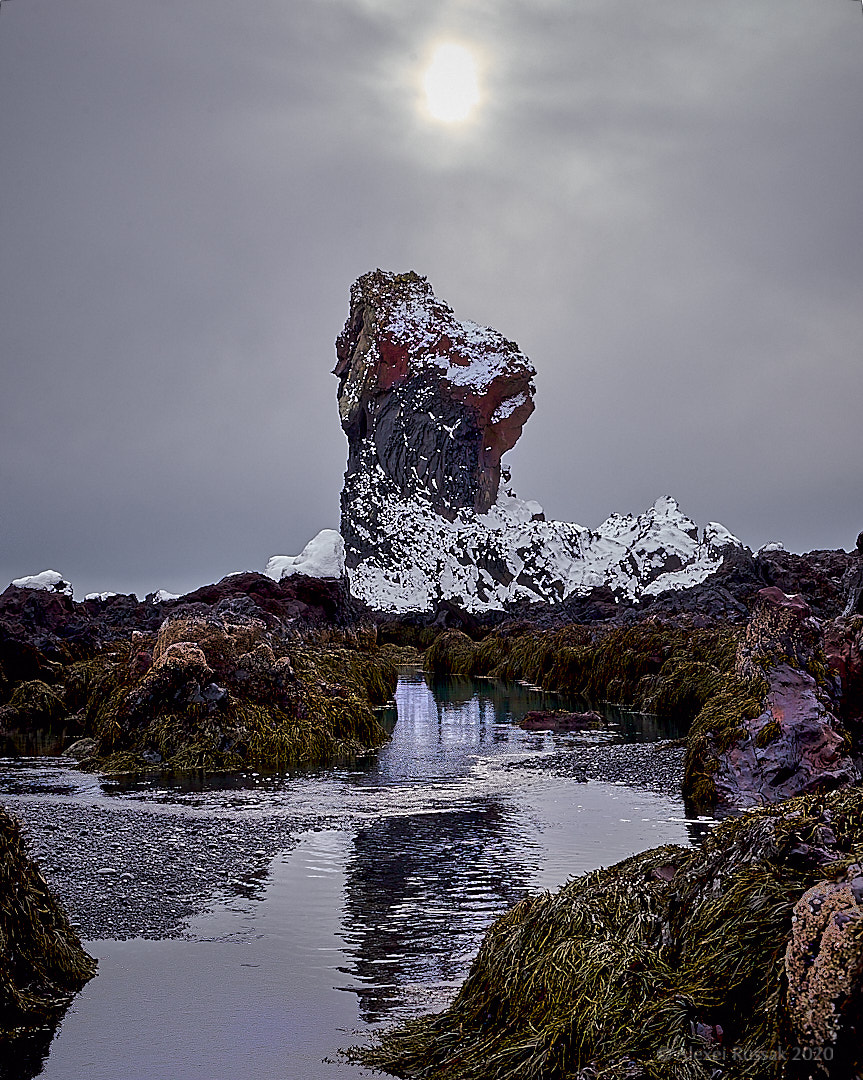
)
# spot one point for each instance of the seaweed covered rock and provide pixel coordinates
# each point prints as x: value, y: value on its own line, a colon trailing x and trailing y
x: 223, y: 691
x: 651, y: 666
x: 771, y: 731
x: 741, y: 959
x: 202, y: 680
x: 42, y: 962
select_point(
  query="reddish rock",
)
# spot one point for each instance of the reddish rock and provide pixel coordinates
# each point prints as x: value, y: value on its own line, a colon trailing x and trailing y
x: 795, y: 747
x: 560, y: 721
x: 432, y: 401
x: 797, y: 744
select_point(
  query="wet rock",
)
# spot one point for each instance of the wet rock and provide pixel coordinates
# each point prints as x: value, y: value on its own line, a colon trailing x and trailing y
x: 81, y: 750
x: 824, y: 973
x: 557, y: 720
x: 42, y: 962
x: 771, y: 731
x: 795, y: 746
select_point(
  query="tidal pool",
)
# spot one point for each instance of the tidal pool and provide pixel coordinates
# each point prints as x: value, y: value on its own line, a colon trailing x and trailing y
x: 250, y: 928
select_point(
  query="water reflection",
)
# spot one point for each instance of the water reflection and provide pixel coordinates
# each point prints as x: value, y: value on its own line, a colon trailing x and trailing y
x: 25, y: 1057
x: 378, y: 876
x: 420, y: 891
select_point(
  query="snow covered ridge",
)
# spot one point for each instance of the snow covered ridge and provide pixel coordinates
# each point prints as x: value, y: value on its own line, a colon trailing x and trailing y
x: 47, y: 581
x: 488, y: 561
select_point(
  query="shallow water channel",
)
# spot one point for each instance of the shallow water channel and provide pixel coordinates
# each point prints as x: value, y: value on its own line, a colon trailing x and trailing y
x: 252, y: 927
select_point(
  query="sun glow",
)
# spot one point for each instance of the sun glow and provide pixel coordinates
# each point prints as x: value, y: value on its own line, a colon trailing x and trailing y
x: 451, y: 84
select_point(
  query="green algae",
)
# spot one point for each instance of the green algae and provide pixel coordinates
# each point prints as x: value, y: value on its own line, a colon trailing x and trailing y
x: 634, y: 970
x: 42, y: 962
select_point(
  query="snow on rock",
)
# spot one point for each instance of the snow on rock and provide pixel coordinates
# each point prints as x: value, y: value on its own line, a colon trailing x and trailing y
x: 161, y: 595
x: 322, y: 557
x: 489, y: 561
x: 47, y: 581
x: 100, y: 595
x: 432, y: 400
x: 429, y: 404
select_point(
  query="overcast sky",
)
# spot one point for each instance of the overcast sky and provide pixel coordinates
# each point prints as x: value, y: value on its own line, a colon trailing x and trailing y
x: 661, y: 202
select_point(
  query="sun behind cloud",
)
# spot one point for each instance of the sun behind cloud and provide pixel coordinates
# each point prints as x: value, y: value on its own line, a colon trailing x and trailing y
x: 451, y: 84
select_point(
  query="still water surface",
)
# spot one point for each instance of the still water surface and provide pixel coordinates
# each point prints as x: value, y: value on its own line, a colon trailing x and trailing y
x: 374, y: 909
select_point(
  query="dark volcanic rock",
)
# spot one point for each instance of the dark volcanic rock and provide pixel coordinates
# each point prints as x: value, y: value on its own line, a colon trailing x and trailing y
x: 843, y: 645
x: 435, y: 402
x: 819, y: 575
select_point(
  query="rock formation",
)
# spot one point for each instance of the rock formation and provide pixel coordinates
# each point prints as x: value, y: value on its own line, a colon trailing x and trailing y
x: 42, y: 962
x: 429, y: 404
x: 774, y: 731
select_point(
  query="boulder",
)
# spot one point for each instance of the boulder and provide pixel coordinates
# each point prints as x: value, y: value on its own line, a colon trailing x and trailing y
x: 772, y: 730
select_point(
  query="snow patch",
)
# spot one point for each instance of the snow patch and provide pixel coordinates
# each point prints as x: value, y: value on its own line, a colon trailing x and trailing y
x: 508, y: 407
x: 322, y: 557
x: 100, y: 595
x: 47, y: 581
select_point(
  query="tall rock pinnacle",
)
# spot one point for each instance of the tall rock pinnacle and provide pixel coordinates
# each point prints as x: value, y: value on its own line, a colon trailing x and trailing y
x: 429, y: 404
x: 433, y: 401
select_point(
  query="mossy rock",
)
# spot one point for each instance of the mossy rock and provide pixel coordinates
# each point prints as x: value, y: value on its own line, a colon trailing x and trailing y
x: 318, y: 706
x: 716, y: 728
x: 669, y: 965
x: 451, y: 653
x: 38, y: 703
x: 42, y: 962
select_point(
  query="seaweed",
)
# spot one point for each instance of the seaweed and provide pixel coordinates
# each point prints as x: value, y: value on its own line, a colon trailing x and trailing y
x: 42, y: 962
x: 314, y: 703
x: 668, y: 965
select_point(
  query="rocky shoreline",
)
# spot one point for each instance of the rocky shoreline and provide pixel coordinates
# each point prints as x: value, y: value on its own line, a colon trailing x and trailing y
x: 750, y: 945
